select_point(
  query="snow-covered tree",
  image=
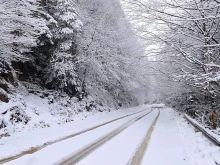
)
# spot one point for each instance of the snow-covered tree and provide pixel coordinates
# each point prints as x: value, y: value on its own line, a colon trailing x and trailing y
x: 186, y: 33
x: 61, y: 70
x: 75, y: 46
x: 22, y: 22
x: 107, y: 48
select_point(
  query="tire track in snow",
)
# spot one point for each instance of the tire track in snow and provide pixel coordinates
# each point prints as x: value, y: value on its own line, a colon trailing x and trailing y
x: 35, y: 149
x: 140, y: 152
x: 85, y: 151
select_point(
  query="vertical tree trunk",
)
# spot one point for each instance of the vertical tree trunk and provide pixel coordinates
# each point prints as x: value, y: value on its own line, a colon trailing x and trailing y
x: 84, y: 84
x: 208, y: 68
x: 214, y: 116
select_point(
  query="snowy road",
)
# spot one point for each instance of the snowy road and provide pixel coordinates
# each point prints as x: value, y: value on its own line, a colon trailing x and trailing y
x: 166, y: 146
x: 149, y: 137
x: 28, y: 142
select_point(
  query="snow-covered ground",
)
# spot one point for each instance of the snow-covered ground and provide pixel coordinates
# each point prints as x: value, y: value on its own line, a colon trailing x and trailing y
x: 21, y: 141
x: 208, y: 131
x: 173, y: 141
x: 57, y: 151
x: 120, y: 149
x: 198, y: 150
x: 26, y: 112
x: 165, y: 145
x: 176, y: 142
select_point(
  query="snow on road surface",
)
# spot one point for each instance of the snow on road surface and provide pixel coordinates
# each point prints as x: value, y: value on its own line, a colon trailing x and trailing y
x: 57, y: 151
x: 120, y: 149
x: 27, y: 139
x: 173, y: 142
x: 166, y: 146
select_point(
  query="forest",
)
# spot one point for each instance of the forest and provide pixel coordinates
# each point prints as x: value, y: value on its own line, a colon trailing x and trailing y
x: 77, y: 55
x: 93, y: 55
x: 182, y: 39
x: 110, y: 82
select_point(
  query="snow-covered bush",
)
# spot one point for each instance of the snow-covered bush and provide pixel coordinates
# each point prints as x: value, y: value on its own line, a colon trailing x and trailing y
x: 12, y: 118
x: 61, y: 70
x: 20, y: 27
x: 15, y: 115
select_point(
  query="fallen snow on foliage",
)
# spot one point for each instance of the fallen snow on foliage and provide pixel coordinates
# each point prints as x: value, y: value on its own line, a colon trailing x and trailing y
x: 30, y: 111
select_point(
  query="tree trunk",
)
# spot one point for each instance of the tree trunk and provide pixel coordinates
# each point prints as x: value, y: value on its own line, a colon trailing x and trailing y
x: 209, y: 69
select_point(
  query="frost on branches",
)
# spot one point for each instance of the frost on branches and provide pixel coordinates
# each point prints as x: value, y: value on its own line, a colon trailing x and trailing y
x: 183, y: 38
x: 107, y: 53
x: 70, y: 55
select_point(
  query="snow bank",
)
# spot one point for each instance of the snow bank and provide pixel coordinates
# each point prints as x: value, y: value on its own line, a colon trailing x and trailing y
x: 158, y: 105
x: 204, y: 153
x: 208, y: 132
x: 198, y: 149
x: 27, y: 111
